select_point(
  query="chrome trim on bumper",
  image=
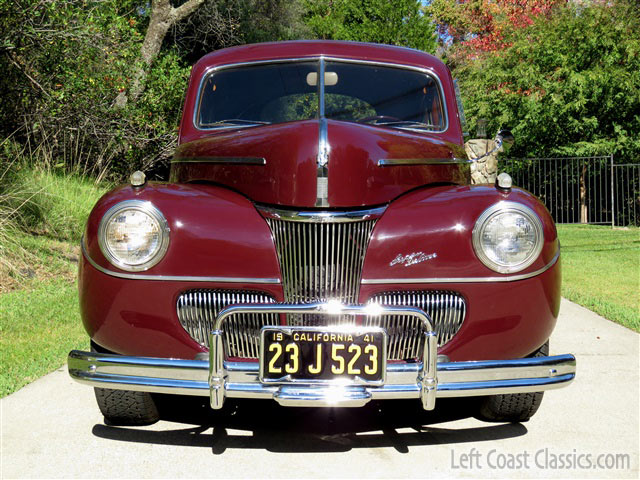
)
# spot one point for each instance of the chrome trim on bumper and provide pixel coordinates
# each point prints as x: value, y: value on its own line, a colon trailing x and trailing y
x: 219, y: 380
x: 190, y: 377
x: 426, y: 378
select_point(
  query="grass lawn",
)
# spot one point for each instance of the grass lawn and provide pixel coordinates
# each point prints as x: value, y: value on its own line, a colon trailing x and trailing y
x: 601, y: 271
x: 39, y: 317
x: 38, y: 327
x: 41, y: 220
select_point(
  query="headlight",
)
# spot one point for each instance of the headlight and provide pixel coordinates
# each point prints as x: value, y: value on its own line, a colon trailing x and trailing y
x: 508, y: 237
x: 133, y: 235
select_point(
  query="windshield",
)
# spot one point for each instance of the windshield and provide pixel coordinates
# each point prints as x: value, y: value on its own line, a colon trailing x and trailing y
x: 354, y: 92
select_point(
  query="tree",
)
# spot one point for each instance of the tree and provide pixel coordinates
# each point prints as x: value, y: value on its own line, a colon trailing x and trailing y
x: 223, y: 23
x: 397, y: 22
x: 163, y: 17
x: 97, y: 85
x: 567, y: 84
x: 64, y: 63
x: 477, y: 26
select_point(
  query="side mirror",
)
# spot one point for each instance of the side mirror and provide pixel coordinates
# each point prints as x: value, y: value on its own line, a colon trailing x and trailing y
x: 504, y: 139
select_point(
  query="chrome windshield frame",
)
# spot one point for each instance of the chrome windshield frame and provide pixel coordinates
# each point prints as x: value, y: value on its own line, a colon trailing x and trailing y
x: 322, y: 59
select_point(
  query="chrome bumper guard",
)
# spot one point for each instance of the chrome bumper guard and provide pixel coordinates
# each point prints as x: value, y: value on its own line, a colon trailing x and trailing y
x: 220, y: 379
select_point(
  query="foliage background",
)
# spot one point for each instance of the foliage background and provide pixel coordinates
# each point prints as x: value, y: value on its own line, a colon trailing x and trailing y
x: 564, y: 75
x: 67, y: 61
x: 567, y: 82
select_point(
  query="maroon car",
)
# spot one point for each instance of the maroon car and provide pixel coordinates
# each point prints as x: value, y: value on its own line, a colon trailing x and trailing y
x: 319, y: 244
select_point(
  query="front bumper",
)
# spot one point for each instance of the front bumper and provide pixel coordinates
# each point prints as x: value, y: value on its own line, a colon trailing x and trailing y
x: 220, y: 379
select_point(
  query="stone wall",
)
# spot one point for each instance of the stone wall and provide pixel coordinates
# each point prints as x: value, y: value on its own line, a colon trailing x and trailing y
x: 485, y: 169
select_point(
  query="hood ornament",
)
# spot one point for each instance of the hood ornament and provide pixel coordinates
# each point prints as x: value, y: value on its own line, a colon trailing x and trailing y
x: 412, y: 258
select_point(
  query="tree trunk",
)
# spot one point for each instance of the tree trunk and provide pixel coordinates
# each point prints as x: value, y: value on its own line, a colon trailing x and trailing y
x: 163, y: 17
x: 584, y: 214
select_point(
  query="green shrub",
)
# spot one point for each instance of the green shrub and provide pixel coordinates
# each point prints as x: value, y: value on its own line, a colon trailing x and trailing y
x: 48, y: 203
x: 37, y: 203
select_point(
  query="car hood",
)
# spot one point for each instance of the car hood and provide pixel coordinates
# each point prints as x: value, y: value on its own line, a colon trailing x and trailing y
x: 278, y: 164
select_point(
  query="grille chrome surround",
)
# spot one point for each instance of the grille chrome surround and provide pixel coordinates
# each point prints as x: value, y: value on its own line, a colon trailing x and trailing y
x: 446, y: 309
x: 320, y: 216
x: 198, y: 309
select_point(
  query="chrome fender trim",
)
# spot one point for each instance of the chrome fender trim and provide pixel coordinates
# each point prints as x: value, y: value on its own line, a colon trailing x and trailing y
x: 174, y: 278
x: 505, y: 278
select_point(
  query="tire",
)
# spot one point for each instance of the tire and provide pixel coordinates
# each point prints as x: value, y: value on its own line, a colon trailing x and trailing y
x: 513, y: 407
x: 125, y: 407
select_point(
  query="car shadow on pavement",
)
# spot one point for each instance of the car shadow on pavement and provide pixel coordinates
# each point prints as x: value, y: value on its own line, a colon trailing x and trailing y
x: 244, y: 424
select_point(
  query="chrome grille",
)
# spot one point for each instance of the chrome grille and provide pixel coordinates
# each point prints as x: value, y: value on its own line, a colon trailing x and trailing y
x: 446, y: 310
x: 198, y: 309
x: 320, y: 261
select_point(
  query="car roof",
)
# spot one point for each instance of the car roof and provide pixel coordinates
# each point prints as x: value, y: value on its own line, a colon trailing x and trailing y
x: 315, y: 48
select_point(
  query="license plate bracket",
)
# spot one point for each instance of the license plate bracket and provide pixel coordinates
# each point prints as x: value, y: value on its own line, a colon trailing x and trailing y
x: 344, y: 355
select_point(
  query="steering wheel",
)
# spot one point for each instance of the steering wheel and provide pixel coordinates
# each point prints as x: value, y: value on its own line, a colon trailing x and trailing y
x: 375, y: 118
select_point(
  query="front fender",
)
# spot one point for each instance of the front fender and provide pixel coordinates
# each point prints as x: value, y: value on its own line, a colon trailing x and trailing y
x: 423, y: 243
x: 217, y: 240
x: 215, y: 232
x: 438, y: 223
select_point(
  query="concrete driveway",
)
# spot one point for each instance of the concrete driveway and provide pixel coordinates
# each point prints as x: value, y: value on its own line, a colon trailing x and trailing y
x: 52, y: 428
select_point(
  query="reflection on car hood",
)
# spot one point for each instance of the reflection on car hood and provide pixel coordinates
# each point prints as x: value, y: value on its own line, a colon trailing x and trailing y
x: 277, y: 164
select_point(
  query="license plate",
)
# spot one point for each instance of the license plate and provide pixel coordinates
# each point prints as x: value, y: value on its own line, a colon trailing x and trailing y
x: 323, y: 354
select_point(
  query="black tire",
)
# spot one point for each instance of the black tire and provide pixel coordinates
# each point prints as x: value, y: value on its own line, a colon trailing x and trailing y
x: 125, y: 407
x: 512, y: 407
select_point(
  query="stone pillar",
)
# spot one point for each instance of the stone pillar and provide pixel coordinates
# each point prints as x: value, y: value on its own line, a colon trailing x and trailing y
x: 485, y: 169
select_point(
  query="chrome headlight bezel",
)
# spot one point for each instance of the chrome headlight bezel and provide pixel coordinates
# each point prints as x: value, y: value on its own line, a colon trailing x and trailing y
x: 151, y: 211
x: 503, y: 208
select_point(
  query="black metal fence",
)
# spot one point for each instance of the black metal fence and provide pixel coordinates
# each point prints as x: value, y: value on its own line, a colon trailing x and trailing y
x: 581, y: 189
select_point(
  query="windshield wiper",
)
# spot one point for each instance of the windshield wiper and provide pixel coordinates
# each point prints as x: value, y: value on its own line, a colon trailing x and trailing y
x: 235, y: 122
